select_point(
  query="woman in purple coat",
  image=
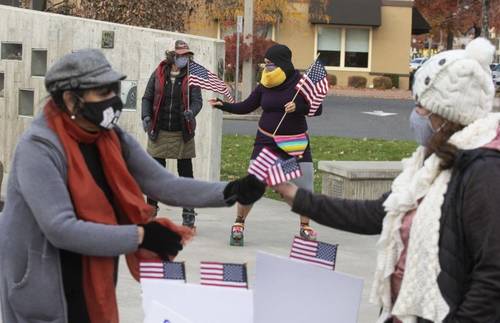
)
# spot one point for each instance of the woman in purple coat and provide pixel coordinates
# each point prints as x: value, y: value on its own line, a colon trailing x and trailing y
x: 275, y: 94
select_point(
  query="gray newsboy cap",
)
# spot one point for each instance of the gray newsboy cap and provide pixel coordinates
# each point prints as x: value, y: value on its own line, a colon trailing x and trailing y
x: 80, y: 70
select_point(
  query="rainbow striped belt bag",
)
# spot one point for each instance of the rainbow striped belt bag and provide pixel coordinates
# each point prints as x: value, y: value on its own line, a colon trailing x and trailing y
x: 293, y: 145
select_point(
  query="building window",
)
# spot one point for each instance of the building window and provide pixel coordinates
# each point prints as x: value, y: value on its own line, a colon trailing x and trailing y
x: 38, y: 62
x: 357, y: 44
x: 2, y: 78
x: 40, y: 5
x: 15, y: 3
x: 12, y: 51
x: 26, y: 102
x: 329, y: 45
x: 344, y: 47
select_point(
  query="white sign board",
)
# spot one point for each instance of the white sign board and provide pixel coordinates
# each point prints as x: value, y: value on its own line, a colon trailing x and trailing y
x: 158, y: 313
x: 290, y: 291
x: 196, y: 303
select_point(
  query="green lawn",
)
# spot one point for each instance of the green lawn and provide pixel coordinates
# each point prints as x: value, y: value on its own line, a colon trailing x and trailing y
x: 236, y: 152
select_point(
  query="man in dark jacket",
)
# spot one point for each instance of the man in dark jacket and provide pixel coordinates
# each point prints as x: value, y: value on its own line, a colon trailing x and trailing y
x: 169, y: 107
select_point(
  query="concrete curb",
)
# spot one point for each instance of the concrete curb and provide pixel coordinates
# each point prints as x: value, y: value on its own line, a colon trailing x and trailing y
x: 246, y: 117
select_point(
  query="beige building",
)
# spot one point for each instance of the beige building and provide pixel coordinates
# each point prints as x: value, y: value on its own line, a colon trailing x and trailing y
x: 366, y: 38
x: 353, y: 37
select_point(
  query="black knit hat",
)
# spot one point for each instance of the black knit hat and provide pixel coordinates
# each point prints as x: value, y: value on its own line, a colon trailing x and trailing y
x: 281, y: 56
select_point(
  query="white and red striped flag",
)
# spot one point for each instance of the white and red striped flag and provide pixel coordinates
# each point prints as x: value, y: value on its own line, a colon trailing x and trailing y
x: 223, y: 274
x: 314, y: 86
x: 261, y: 164
x: 283, y: 171
x: 316, y: 252
x: 157, y: 269
x: 200, y: 76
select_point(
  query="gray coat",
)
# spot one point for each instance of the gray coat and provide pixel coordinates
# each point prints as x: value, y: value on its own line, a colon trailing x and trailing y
x: 39, y: 219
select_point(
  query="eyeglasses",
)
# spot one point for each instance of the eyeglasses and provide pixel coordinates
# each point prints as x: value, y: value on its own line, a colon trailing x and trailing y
x: 270, y: 66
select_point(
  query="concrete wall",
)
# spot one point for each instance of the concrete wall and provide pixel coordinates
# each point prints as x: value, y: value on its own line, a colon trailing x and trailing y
x: 136, y: 52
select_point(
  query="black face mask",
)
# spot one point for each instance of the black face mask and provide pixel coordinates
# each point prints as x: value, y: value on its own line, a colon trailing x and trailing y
x: 104, y: 114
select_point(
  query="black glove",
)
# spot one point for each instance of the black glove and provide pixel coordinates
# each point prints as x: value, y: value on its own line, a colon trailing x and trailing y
x: 223, y: 107
x: 246, y: 190
x: 188, y: 115
x: 146, y: 123
x: 190, y: 119
x: 160, y: 240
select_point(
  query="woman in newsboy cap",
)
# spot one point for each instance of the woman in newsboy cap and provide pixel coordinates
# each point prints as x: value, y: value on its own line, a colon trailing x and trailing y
x: 75, y: 201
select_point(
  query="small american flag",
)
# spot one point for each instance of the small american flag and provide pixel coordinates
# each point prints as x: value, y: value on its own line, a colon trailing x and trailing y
x: 200, y: 76
x: 261, y: 164
x: 283, y: 171
x: 162, y: 270
x: 221, y: 274
x: 316, y: 252
x: 314, y: 86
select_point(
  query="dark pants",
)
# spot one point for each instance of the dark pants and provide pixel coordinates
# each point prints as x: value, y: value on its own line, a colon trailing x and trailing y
x: 184, y: 169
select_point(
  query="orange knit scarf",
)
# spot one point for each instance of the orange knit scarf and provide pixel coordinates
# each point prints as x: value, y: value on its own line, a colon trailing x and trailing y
x: 91, y: 204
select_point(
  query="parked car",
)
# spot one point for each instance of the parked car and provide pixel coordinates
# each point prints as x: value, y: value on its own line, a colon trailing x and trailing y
x: 416, y: 63
x: 496, y: 76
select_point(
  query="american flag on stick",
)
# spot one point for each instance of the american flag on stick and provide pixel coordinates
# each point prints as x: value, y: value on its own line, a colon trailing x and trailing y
x: 200, y: 76
x: 283, y: 171
x: 316, y: 252
x: 162, y: 270
x: 261, y: 164
x: 222, y: 274
x: 314, y: 86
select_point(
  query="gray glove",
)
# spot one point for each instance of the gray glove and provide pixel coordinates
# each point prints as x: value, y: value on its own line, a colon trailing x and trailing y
x: 146, y: 124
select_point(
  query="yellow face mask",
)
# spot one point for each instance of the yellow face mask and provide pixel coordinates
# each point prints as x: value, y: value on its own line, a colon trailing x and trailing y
x: 272, y: 78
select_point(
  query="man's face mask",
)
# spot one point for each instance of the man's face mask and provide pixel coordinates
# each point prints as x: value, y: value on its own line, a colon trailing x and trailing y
x: 104, y: 114
x: 181, y: 61
x: 272, y: 76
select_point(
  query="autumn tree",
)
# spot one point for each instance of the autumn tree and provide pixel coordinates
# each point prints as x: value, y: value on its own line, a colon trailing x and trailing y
x: 170, y: 15
x: 259, y: 47
x: 457, y: 17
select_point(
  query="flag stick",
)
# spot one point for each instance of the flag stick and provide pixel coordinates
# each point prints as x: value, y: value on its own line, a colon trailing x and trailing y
x: 295, y: 96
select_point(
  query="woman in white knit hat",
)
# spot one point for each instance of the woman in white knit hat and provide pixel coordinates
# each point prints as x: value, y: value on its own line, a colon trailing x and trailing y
x: 439, y: 249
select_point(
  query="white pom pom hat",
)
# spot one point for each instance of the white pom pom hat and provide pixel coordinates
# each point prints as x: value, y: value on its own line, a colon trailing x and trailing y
x: 457, y: 84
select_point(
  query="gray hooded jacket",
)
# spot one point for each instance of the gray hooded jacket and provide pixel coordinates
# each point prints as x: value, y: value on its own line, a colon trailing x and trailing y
x: 38, y: 219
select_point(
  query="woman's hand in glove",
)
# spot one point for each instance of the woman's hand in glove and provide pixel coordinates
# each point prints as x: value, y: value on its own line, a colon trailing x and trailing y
x: 146, y: 124
x: 246, y: 190
x: 160, y: 240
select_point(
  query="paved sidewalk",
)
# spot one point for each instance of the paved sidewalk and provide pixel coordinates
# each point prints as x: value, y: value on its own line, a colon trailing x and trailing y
x: 270, y: 227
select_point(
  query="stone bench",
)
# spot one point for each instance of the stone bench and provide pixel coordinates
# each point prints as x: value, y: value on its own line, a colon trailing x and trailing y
x: 357, y: 179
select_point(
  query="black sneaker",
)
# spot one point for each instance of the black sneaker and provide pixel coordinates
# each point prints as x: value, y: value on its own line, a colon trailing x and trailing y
x: 188, y: 217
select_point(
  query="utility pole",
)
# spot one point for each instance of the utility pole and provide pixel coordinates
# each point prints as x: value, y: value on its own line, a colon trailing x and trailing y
x: 239, y: 29
x: 248, y: 70
x: 486, y: 17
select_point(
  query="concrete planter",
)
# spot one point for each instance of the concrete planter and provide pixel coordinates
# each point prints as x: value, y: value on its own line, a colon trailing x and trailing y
x: 357, y: 179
